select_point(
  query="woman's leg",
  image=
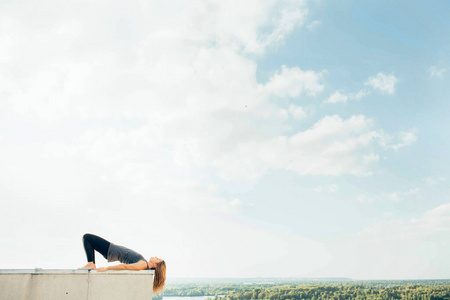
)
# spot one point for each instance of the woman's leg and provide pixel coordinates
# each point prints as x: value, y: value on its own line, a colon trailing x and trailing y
x: 92, y: 242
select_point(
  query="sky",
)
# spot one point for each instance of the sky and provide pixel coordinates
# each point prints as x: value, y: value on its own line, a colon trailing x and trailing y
x: 230, y: 138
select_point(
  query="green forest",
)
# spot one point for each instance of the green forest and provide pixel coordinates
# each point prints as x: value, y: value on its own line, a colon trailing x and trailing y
x: 431, y: 289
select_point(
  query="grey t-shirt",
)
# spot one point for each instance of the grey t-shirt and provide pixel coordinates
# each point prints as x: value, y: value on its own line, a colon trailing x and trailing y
x: 123, y: 254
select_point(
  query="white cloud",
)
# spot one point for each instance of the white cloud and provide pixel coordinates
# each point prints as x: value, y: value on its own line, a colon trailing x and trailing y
x: 402, y: 139
x: 400, y: 196
x: 406, y: 138
x: 248, y: 30
x: 297, y: 112
x: 330, y: 189
x: 434, y: 180
x: 388, y: 214
x: 383, y: 83
x: 433, y: 222
x: 359, y: 95
x: 396, y: 196
x: 293, y: 82
x: 435, y: 72
x: 339, y: 97
x: 313, y: 25
x: 134, y: 55
x: 292, y: 14
x: 410, y: 249
x: 332, y: 146
x: 365, y: 199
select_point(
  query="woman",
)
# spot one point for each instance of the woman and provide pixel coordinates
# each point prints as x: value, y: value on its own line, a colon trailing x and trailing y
x: 131, y: 260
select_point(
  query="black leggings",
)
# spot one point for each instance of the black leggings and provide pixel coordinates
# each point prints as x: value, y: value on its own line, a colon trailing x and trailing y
x: 92, y: 242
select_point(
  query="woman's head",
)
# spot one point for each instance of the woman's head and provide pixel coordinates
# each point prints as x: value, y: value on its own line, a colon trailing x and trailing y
x: 160, y: 274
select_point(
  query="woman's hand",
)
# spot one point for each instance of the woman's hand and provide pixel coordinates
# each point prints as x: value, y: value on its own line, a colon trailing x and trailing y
x: 104, y: 269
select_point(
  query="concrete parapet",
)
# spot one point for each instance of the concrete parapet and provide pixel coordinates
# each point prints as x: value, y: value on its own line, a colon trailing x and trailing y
x: 39, y: 284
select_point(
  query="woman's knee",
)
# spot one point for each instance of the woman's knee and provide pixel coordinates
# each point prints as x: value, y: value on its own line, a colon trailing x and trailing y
x: 87, y: 236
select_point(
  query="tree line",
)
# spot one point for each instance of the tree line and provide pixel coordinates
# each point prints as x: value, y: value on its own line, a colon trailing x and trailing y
x: 385, y: 290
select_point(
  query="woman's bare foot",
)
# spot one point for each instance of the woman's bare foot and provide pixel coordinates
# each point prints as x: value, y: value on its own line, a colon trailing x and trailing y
x: 89, y: 266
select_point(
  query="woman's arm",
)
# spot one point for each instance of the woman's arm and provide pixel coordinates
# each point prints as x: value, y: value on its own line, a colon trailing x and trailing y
x: 140, y: 265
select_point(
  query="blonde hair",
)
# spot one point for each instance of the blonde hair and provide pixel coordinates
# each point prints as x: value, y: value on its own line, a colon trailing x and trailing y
x: 160, y: 277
